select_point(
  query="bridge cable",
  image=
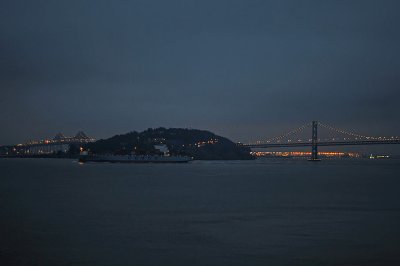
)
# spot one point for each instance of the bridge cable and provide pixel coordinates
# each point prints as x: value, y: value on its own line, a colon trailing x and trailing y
x: 277, y: 138
x: 342, y: 131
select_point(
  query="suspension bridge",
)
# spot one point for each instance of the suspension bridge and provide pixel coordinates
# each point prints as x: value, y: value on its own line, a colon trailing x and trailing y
x: 345, y: 138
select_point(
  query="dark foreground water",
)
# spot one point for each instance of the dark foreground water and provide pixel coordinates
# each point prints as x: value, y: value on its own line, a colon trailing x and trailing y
x: 264, y: 212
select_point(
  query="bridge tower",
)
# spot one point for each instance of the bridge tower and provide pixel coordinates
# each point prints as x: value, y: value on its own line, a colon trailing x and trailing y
x: 314, y: 142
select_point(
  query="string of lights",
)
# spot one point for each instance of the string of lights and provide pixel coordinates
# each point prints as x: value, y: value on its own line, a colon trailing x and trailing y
x: 342, y: 131
x: 326, y: 126
x: 278, y: 138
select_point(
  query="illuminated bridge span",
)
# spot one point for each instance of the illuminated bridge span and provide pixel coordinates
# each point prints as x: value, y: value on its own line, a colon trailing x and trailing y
x: 59, y: 144
x: 346, y: 138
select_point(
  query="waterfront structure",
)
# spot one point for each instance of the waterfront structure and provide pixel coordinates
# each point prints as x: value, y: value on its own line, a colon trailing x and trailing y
x: 291, y: 154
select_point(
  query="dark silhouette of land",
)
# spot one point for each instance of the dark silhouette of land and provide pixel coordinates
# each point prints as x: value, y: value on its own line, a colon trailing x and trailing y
x: 200, y: 144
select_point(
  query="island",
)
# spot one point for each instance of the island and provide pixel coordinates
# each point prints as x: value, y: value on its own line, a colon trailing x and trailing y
x: 199, y: 144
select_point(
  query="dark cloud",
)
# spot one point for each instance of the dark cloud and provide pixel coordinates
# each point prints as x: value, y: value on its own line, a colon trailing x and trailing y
x: 244, y: 69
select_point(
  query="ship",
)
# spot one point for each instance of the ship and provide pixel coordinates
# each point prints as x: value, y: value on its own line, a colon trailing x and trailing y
x: 110, y: 158
x: 163, y: 157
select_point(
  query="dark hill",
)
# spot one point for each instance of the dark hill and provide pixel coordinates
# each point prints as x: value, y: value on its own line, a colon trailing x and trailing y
x: 200, y: 144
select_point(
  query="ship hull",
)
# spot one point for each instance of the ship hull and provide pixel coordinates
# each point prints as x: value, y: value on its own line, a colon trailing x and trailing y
x: 133, y: 159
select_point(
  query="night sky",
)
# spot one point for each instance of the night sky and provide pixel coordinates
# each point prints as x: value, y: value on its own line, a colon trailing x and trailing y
x: 242, y: 69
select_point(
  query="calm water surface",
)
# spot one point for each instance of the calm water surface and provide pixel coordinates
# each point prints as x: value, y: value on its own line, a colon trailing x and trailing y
x: 264, y: 212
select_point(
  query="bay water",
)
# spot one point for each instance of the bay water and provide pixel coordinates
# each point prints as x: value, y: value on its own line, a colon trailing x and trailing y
x: 262, y: 212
